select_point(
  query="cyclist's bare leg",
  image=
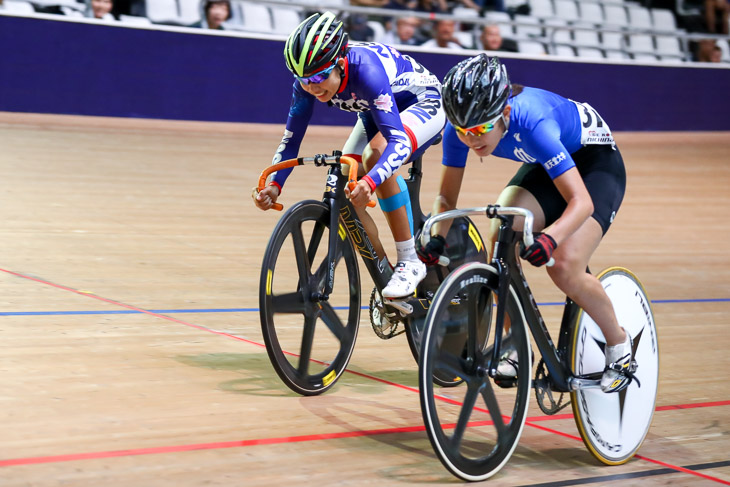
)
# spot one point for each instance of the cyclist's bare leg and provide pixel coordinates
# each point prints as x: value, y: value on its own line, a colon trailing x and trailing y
x: 372, y: 230
x: 568, y: 273
x: 397, y: 219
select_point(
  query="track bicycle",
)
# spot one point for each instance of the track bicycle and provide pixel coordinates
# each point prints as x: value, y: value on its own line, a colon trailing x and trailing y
x: 475, y: 428
x: 309, y: 292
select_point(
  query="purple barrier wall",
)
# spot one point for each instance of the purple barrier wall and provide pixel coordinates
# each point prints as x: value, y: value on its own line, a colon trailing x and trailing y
x: 48, y: 66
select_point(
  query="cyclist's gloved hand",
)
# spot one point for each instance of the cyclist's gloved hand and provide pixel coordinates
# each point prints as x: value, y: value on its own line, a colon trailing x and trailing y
x: 540, y: 252
x: 430, y: 254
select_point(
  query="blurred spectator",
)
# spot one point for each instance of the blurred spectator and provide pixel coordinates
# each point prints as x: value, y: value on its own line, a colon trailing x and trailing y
x: 369, y: 3
x: 402, y: 4
x: 432, y: 6
x: 443, y: 36
x: 484, y: 5
x: 496, y: 5
x: 705, y: 48
x: 100, y: 9
x: 213, y: 14
x: 405, y: 32
x: 716, y: 16
x: 492, y: 40
x: 716, y: 56
x: 358, y: 29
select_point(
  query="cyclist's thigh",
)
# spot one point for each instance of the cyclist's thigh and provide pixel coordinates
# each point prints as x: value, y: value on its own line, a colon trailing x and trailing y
x: 423, y: 122
x: 575, y: 251
x: 522, y: 198
x: 356, y: 142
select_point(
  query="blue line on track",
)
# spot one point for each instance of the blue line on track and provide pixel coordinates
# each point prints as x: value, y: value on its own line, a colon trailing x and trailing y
x: 250, y: 310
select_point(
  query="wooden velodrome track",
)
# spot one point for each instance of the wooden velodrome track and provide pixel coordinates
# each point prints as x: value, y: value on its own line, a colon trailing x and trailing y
x: 130, y: 343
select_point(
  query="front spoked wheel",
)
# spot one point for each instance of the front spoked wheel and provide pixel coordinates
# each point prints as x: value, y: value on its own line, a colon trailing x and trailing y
x: 309, y: 340
x: 613, y: 426
x: 477, y: 427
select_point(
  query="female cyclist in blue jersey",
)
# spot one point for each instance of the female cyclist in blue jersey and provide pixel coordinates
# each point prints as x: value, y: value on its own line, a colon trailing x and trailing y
x: 572, y: 178
x: 400, y: 113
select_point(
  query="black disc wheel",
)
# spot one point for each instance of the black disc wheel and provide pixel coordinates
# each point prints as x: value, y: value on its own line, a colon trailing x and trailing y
x: 309, y: 340
x: 476, y: 427
x: 464, y: 244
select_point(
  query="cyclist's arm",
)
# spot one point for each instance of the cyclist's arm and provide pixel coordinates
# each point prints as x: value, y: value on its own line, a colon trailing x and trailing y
x: 557, y: 161
x: 300, y: 112
x: 452, y: 174
x: 387, y: 118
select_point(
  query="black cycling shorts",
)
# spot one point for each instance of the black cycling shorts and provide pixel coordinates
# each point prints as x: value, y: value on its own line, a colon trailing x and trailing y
x: 604, y: 175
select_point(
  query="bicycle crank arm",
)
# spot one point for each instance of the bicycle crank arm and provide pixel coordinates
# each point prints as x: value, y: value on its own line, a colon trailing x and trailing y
x: 400, y: 305
x: 576, y: 383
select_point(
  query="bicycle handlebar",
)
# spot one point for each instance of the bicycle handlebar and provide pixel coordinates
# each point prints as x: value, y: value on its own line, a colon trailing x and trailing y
x: 318, y: 160
x: 491, y: 212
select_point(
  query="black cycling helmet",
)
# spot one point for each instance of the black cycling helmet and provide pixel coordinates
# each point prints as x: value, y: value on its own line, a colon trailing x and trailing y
x: 315, y: 44
x: 475, y: 91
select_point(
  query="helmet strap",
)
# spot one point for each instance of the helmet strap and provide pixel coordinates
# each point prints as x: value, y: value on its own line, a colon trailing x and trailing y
x: 505, y: 121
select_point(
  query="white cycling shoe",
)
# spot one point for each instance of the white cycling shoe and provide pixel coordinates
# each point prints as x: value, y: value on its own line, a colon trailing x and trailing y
x: 406, y: 277
x: 620, y: 367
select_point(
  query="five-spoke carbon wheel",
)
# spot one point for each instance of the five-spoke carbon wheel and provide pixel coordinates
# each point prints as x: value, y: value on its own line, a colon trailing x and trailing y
x: 309, y: 340
x: 476, y: 427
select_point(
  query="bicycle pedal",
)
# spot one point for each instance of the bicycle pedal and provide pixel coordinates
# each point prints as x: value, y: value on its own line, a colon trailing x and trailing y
x: 401, y: 306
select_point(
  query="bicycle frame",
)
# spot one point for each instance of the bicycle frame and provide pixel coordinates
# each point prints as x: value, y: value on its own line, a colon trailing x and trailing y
x: 344, y: 216
x: 509, y: 273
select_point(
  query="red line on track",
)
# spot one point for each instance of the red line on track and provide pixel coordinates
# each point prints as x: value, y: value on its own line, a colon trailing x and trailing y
x: 134, y: 308
x: 296, y: 439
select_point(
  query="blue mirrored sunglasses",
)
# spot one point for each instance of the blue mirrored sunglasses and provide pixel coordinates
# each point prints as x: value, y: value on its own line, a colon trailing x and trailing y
x: 317, y: 78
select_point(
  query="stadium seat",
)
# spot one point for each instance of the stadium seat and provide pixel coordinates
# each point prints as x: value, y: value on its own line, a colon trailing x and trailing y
x: 285, y: 19
x: 615, y: 15
x: 466, y: 39
x: 162, y: 11
x: 591, y: 12
x: 134, y: 20
x: 589, y: 53
x: 15, y: 7
x: 189, y: 11
x: 531, y: 27
x: 668, y: 46
x: 531, y: 47
x: 616, y: 55
x: 464, y: 12
x: 613, y: 42
x: 639, y: 17
x: 566, y: 10
x: 586, y: 37
x: 663, y: 19
x: 644, y: 57
x: 256, y: 17
x: 563, y: 51
x: 541, y: 8
x: 557, y: 35
x: 641, y: 44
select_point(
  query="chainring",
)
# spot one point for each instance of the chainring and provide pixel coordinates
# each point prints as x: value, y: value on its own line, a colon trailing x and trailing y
x: 544, y: 391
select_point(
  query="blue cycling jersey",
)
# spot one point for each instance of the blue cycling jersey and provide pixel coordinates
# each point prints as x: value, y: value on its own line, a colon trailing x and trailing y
x: 544, y: 128
x: 378, y: 79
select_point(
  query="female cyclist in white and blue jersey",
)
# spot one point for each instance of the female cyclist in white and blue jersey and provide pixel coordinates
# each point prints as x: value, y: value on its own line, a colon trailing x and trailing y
x: 400, y: 113
x: 572, y: 178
